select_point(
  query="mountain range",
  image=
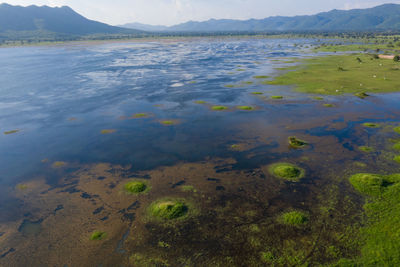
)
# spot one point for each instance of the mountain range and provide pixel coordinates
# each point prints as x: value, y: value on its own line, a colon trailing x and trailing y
x: 63, y: 23
x: 383, y: 17
x: 35, y: 20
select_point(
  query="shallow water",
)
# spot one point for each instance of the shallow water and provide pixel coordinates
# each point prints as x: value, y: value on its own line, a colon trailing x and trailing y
x: 62, y: 176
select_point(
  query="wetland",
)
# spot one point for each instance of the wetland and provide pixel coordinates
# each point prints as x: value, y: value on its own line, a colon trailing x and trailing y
x: 199, y: 152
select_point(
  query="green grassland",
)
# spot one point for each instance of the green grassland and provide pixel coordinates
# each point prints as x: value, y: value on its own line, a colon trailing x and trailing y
x: 338, y: 74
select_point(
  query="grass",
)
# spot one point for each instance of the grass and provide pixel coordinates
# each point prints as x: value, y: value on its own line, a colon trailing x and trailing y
x: 245, y: 107
x: 296, y: 143
x: 219, y: 108
x: 108, y: 131
x: 98, y: 235
x: 135, y: 187
x: 11, y: 132
x: 327, y: 105
x: 361, y: 95
x: 366, y: 149
x: 140, y: 115
x: 320, y: 75
x: 168, y: 122
x: 168, y: 209
x: 294, y: 218
x: 381, y: 234
x: 286, y: 171
x: 371, y: 125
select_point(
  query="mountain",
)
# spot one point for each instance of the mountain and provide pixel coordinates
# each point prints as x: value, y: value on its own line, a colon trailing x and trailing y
x: 57, y: 20
x: 144, y: 27
x: 384, y: 17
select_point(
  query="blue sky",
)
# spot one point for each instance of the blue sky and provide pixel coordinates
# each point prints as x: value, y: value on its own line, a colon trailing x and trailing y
x: 169, y: 12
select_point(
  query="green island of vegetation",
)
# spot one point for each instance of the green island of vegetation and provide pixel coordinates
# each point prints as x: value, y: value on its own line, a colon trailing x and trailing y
x: 286, y: 171
x: 168, y: 209
x: 98, y: 235
x: 135, y: 187
x: 294, y: 218
x: 338, y: 74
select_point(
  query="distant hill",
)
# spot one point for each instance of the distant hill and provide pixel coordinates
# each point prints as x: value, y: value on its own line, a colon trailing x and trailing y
x: 384, y: 17
x: 144, y: 27
x: 44, y: 20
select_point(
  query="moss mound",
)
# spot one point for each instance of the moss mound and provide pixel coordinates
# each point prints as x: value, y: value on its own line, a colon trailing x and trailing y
x: 361, y: 95
x: 168, y: 209
x: 98, y: 235
x: 371, y: 125
x: 261, y: 77
x: 294, y: 218
x: 168, y: 122
x: 397, y: 159
x: 396, y: 146
x: 296, y: 143
x: 135, y: 187
x: 320, y: 98
x: 397, y: 130
x: 276, y: 97
x: 219, y: 108
x: 140, y: 115
x: 287, y: 171
x: 200, y: 102
x: 245, y: 108
x: 108, y: 131
x: 256, y: 93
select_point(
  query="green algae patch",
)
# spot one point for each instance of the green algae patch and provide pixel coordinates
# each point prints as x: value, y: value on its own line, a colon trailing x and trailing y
x: 58, y: 164
x: 136, y: 187
x: 200, y: 102
x: 373, y: 184
x: 188, y: 188
x: 245, y: 108
x: 276, y: 97
x: 108, y: 131
x: 320, y: 75
x: 169, y: 122
x: 371, y: 125
x: 327, y: 105
x: 296, y: 143
x: 286, y: 171
x: 256, y: 93
x: 261, y: 77
x: 11, y: 132
x: 169, y: 209
x: 219, y: 108
x: 366, y: 149
x: 295, y: 218
x: 98, y: 235
x: 140, y: 115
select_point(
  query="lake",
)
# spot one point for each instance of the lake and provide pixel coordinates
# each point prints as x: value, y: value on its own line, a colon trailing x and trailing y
x: 194, y: 121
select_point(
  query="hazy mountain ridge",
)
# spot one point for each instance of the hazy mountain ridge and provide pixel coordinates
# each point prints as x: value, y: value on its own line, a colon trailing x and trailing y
x: 383, y: 17
x: 59, y: 20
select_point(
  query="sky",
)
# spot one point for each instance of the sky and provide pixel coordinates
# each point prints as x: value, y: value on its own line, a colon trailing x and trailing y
x: 170, y: 12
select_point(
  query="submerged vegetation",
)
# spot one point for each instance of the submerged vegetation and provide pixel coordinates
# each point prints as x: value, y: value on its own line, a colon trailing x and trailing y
x: 295, y: 218
x: 286, y: 171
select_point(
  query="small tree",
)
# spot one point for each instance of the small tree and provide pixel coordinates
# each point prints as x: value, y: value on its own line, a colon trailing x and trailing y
x: 396, y: 58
